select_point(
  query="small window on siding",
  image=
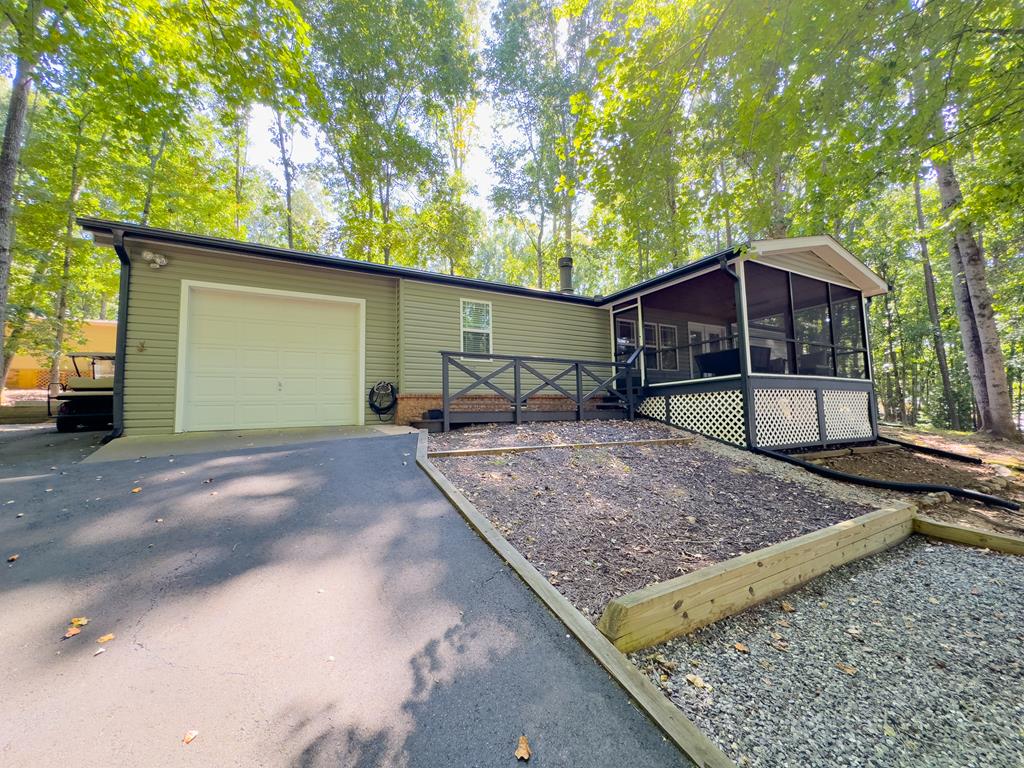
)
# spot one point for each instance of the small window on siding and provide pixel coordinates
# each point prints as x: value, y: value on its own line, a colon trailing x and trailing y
x: 476, y: 326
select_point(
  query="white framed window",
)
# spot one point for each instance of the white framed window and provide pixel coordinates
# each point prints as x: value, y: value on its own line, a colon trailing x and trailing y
x: 668, y: 341
x: 651, y: 346
x: 476, y: 326
x: 625, y: 336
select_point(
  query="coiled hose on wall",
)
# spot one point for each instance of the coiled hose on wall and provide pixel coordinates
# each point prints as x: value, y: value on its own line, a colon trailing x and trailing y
x: 835, y: 474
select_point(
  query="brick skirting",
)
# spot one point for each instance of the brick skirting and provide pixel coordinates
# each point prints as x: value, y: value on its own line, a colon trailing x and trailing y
x: 411, y: 407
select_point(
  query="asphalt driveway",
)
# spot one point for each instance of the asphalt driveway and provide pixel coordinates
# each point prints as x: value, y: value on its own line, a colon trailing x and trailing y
x: 319, y: 604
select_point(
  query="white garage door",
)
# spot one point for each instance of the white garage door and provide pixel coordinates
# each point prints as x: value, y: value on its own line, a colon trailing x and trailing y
x: 254, y: 360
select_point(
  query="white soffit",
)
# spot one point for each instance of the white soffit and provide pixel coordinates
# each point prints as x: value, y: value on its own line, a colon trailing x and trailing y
x: 831, y: 253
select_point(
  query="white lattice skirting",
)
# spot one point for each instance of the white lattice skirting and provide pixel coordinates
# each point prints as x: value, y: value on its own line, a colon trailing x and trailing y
x: 715, y: 414
x: 785, y: 417
x: 847, y: 415
x: 653, y: 407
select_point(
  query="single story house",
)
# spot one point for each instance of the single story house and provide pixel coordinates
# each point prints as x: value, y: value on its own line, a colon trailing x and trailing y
x: 762, y: 344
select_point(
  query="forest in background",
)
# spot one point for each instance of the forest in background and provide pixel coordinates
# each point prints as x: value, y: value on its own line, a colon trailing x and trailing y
x: 632, y: 135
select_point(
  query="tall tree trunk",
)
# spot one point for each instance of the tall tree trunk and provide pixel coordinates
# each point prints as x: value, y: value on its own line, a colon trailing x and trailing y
x: 241, y: 137
x: 899, y: 400
x: 18, y: 323
x: 938, y: 338
x: 541, y: 221
x: 973, y: 265
x: 10, y: 153
x: 969, y: 336
x: 154, y: 162
x: 286, y: 165
x: 65, y: 281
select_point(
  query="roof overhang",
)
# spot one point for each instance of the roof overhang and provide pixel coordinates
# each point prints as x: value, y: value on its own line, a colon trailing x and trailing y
x: 831, y: 252
x: 103, y: 233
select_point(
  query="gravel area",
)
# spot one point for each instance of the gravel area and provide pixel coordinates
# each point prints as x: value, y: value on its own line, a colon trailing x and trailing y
x: 913, y: 657
x: 549, y: 433
x: 601, y: 522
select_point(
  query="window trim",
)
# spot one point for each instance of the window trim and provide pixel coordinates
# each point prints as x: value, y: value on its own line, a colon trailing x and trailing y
x: 462, y: 325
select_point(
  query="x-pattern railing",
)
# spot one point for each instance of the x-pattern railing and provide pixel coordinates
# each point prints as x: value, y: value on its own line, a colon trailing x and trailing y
x: 620, y: 385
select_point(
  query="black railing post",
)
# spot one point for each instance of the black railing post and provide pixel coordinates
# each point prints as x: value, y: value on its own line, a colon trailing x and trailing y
x: 517, y: 391
x: 445, y: 404
x: 630, y: 394
x: 579, y: 393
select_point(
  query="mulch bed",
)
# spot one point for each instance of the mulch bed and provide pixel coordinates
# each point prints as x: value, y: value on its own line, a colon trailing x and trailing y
x: 905, y: 466
x: 601, y: 522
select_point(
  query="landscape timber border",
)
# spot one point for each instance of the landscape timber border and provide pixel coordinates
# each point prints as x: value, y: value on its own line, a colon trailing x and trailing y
x: 650, y: 700
x: 523, y: 448
x: 679, y: 606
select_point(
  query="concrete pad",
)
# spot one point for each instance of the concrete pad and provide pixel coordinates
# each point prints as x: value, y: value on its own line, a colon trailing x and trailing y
x: 186, y: 443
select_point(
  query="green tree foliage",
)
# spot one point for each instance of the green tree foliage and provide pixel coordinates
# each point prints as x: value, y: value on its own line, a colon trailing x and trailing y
x: 633, y: 135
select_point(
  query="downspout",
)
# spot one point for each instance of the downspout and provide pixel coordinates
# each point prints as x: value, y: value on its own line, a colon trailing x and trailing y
x: 741, y: 330
x: 122, y: 334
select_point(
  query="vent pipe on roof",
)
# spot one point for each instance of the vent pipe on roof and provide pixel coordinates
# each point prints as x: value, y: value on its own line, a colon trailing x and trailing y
x: 565, y: 275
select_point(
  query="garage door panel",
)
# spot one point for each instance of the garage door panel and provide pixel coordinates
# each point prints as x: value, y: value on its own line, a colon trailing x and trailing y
x: 208, y: 357
x: 259, y: 360
x: 214, y: 416
x: 253, y: 358
x: 303, y: 360
x: 258, y: 386
x: 208, y: 387
x: 300, y: 388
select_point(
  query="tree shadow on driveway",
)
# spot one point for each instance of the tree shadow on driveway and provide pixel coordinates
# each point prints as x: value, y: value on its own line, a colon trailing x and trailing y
x: 319, y: 604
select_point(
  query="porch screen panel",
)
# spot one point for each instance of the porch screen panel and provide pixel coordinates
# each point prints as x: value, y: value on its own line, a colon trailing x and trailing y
x: 802, y: 326
x: 770, y: 320
x: 848, y: 331
x: 812, y: 321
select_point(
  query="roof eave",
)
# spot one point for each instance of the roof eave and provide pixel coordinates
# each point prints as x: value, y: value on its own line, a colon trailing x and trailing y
x: 103, y: 234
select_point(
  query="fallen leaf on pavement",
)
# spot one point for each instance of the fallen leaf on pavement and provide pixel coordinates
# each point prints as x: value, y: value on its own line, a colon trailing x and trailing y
x: 787, y: 606
x: 783, y: 623
x: 846, y: 668
x: 106, y: 638
x: 190, y: 736
x: 741, y: 648
x: 137, y: 489
x: 853, y: 631
x: 12, y: 558
x: 888, y: 730
x: 72, y: 631
x: 523, y: 749
x: 79, y: 621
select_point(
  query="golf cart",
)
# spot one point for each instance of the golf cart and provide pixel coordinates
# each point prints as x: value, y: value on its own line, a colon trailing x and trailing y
x: 86, y: 401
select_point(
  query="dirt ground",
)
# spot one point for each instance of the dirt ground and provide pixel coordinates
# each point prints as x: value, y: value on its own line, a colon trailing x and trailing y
x: 992, y: 450
x: 601, y: 522
x: 909, y: 467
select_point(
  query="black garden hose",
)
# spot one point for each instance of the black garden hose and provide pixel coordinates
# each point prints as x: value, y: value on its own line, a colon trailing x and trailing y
x: 383, y: 398
x: 932, y: 451
x: 984, y: 498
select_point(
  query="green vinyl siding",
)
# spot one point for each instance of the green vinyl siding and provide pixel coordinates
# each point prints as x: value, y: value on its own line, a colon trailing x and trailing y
x: 151, y: 353
x: 430, y: 321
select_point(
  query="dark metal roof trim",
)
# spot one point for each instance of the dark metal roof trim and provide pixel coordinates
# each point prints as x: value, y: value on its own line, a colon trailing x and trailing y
x: 107, y: 228
x: 673, y: 274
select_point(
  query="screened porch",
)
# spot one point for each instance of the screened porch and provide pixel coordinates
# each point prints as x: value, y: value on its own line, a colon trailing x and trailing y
x: 753, y: 353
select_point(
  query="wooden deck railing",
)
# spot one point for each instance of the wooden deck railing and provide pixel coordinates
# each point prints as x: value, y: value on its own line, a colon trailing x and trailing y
x: 585, y: 385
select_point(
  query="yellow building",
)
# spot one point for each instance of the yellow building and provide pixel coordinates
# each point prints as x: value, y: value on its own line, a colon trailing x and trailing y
x: 28, y: 372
